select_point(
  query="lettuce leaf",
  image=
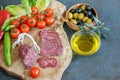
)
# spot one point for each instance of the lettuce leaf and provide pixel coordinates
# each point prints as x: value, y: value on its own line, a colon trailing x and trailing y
x: 42, y: 4
x: 15, y: 10
x: 32, y: 2
x: 26, y: 6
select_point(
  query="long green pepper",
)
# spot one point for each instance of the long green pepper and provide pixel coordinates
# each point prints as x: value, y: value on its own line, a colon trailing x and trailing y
x: 9, y: 27
x: 7, y: 22
x: 7, y: 46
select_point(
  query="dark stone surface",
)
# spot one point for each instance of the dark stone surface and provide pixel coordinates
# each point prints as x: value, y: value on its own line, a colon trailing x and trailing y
x: 104, y: 65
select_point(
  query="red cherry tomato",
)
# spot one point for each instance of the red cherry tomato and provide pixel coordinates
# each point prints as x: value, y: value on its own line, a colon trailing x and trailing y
x: 49, y: 12
x: 23, y: 19
x: 34, y: 10
x: 34, y: 72
x: 14, y: 33
x: 49, y: 20
x: 15, y: 22
x: 31, y: 21
x: 40, y: 17
x: 41, y: 24
x: 24, y: 28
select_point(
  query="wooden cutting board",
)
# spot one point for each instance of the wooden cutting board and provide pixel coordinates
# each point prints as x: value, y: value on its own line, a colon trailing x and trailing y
x: 17, y: 69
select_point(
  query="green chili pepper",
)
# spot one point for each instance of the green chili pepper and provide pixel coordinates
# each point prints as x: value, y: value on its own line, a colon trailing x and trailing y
x: 9, y: 27
x: 7, y: 46
x: 7, y: 22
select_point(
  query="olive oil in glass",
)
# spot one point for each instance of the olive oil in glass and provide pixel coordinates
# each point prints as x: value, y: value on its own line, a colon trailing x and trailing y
x: 85, y: 42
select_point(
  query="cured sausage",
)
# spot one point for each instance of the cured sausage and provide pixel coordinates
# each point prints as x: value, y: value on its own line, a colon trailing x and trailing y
x: 27, y: 55
x: 51, y: 43
x: 47, y: 62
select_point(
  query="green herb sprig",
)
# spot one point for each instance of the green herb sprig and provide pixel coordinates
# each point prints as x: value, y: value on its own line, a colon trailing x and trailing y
x: 97, y: 28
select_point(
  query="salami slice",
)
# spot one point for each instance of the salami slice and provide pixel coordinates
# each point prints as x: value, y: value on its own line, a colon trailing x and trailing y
x: 47, y: 62
x: 51, y: 43
x: 27, y: 55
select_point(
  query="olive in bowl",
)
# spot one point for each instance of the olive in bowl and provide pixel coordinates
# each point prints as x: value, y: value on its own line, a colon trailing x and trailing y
x: 79, y: 14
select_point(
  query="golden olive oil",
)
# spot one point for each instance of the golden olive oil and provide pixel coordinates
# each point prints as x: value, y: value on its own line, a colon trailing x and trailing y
x: 85, y: 43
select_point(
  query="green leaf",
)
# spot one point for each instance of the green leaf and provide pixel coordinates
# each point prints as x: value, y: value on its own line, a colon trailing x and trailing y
x: 96, y: 20
x: 32, y: 2
x: 26, y: 6
x: 42, y: 4
x: 108, y: 29
x: 82, y: 28
x: 104, y: 36
x: 99, y: 33
x: 15, y: 10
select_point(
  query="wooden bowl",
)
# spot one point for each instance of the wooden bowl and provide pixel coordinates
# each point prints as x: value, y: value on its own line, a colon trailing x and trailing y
x: 74, y: 26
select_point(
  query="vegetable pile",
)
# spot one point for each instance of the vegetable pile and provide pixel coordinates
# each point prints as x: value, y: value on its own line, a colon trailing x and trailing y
x: 32, y: 14
x: 26, y: 20
x: 25, y: 23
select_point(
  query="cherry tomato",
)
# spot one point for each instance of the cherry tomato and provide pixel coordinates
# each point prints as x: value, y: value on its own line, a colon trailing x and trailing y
x: 41, y: 24
x: 31, y: 21
x: 34, y: 72
x: 15, y: 22
x: 24, y: 28
x: 49, y: 12
x: 34, y: 10
x: 14, y: 33
x: 23, y: 19
x: 40, y: 17
x: 49, y: 20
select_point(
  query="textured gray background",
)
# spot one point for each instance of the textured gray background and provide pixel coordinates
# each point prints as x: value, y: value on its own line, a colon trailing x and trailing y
x: 101, y: 66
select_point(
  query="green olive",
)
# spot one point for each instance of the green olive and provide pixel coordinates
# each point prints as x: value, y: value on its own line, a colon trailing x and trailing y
x: 83, y: 7
x: 89, y: 21
x: 85, y: 19
x: 73, y: 21
x: 80, y: 16
x: 70, y: 15
x: 75, y: 15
